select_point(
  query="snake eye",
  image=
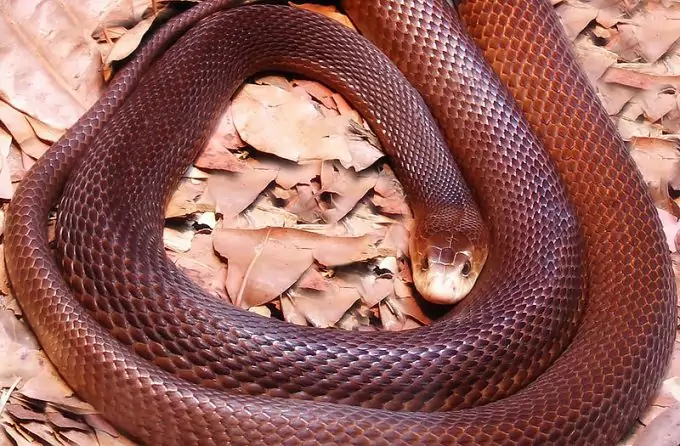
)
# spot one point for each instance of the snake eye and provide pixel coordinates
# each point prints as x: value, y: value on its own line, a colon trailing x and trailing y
x: 467, y: 268
x: 426, y: 264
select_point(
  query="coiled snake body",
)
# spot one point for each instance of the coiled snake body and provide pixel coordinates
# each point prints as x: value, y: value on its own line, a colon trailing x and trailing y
x: 562, y: 341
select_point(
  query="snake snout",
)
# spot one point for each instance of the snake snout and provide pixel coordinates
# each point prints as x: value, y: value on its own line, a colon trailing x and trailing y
x: 446, y: 267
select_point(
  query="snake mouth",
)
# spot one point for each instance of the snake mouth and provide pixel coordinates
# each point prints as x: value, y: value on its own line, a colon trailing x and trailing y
x: 446, y: 282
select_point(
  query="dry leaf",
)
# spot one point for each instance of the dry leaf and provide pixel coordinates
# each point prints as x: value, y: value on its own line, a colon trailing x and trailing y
x: 659, y: 162
x: 324, y: 308
x: 266, y: 262
x: 277, y: 121
x: 346, y: 186
x: 50, y: 66
x: 663, y: 431
x: 129, y: 41
x: 21, y: 130
x: 653, y: 31
x: 234, y: 192
x: 329, y: 11
x: 185, y: 199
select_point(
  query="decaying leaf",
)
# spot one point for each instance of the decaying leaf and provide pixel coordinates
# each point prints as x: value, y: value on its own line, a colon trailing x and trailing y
x: 297, y: 130
x: 235, y: 191
x: 264, y: 263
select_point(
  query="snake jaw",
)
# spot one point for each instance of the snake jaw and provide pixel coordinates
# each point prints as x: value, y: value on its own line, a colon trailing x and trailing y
x: 446, y: 264
x: 446, y: 282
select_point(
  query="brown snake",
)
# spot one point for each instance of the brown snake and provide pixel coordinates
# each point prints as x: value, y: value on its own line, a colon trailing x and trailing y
x: 525, y: 359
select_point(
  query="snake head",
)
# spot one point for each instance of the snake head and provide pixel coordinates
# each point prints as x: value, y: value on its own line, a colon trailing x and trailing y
x: 446, y: 266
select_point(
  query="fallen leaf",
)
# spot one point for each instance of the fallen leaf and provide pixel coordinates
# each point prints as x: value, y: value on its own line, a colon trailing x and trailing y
x: 346, y: 186
x: 235, y: 191
x: 21, y: 130
x: 324, y: 308
x: 51, y: 68
x: 185, y: 200
x: 129, y: 41
x: 202, y: 265
x: 659, y: 163
x: 264, y: 263
x: 295, y: 129
x: 664, y: 430
x: 329, y: 11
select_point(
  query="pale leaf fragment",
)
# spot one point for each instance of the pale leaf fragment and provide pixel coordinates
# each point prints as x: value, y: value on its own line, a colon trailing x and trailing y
x: 329, y: 11
x: 305, y: 204
x: 262, y: 214
x: 653, y: 31
x: 670, y: 225
x: 659, y: 163
x: 277, y: 121
x: 396, y: 240
x: 291, y: 313
x: 313, y: 280
x: 261, y: 264
x: 234, y: 192
x: 21, y: 130
x: 264, y: 263
x: 664, y: 430
x: 318, y: 91
x: 18, y: 437
x: 292, y: 174
x: 6, y: 188
x: 177, y: 240
x: 22, y: 413
x: 129, y: 41
x: 50, y: 66
x: 218, y: 158
x: 57, y: 419
x: 202, y: 265
x: 41, y: 431
x: 371, y: 288
x: 185, y: 199
x: 575, y: 17
x: 81, y: 438
x: 225, y: 135
x: 347, y: 188
x: 390, y: 196
x: 595, y: 60
x: 324, y: 308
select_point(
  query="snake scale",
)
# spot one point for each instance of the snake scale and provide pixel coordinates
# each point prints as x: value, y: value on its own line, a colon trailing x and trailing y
x: 563, y: 340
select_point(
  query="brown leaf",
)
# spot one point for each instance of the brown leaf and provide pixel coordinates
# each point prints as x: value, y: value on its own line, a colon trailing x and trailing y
x: 261, y: 265
x: 291, y: 313
x: 663, y: 431
x: 219, y: 158
x: 347, y: 188
x: 575, y: 17
x: 234, y: 192
x: 51, y: 69
x: 21, y: 130
x: 313, y: 280
x: 185, y: 199
x: 277, y: 121
x: 390, y: 197
x: 319, y: 92
x: 264, y: 263
x: 324, y: 308
x: 225, y: 137
x: 653, y: 31
x: 659, y: 163
x: 129, y: 41
x: 202, y: 264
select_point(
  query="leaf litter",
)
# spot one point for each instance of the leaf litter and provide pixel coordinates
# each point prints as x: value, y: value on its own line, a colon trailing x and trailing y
x: 290, y: 210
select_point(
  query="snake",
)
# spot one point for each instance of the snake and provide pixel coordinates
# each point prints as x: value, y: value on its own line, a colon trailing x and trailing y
x: 563, y: 339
